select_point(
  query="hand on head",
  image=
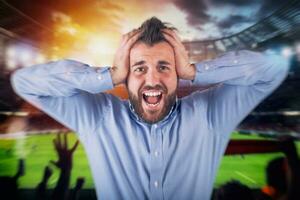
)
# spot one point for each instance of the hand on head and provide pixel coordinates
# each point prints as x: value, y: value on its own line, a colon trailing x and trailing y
x: 120, y: 68
x: 184, y: 69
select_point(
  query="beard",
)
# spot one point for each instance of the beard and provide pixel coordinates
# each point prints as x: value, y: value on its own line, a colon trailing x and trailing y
x: 136, y: 102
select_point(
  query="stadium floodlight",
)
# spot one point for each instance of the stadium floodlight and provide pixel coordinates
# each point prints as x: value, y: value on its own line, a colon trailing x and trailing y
x: 39, y: 59
x: 11, y: 64
x: 25, y: 57
x: 22, y: 55
x: 270, y: 51
x: 10, y: 52
x: 297, y: 47
x: 287, y: 52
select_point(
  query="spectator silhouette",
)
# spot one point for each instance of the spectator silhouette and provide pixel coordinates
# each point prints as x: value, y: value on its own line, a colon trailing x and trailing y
x: 233, y: 190
x: 64, y: 163
x: 9, y: 185
x: 283, y: 174
x: 42, y: 186
x: 75, y: 192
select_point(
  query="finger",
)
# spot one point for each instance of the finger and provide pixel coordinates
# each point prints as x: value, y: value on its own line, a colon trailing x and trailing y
x: 79, y: 183
x: 59, y: 140
x: 171, y: 40
x: 174, y: 40
x: 75, y: 146
x: 129, y: 33
x: 55, y: 143
x: 55, y: 163
x: 132, y: 39
x: 65, y: 141
x: 178, y: 47
x: 173, y: 34
x: 127, y: 36
x: 47, y: 169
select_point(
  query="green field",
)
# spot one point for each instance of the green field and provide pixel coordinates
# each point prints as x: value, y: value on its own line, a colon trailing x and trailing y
x: 38, y: 150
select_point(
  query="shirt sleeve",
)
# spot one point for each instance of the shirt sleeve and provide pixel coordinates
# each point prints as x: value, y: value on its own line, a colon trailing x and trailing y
x: 244, y: 79
x: 67, y: 90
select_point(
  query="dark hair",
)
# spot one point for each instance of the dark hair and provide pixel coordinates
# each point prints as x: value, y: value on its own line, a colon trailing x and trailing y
x: 152, y: 31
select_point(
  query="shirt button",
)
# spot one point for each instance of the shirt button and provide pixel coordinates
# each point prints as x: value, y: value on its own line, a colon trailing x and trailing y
x: 206, y: 67
x: 235, y: 61
x: 98, y: 70
x: 156, y: 153
x: 99, y: 77
x: 156, y: 184
x: 155, y: 125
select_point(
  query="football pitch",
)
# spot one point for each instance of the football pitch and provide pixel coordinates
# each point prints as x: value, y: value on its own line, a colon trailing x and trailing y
x: 38, y: 150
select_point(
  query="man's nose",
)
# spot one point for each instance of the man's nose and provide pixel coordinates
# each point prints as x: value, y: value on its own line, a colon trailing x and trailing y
x: 152, y: 78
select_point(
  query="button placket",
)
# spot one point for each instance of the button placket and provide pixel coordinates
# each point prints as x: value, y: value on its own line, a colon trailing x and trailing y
x: 156, y: 163
x: 206, y: 66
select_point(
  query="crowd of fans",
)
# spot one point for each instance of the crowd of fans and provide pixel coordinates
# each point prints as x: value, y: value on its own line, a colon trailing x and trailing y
x: 282, y: 176
x: 9, y: 185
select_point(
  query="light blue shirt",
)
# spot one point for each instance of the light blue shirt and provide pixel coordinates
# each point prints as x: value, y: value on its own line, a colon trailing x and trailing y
x: 176, y: 158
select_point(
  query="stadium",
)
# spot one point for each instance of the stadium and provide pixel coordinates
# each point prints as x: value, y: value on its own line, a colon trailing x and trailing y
x: 27, y: 133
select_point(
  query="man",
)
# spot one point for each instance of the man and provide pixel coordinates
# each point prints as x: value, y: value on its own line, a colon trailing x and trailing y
x: 153, y: 146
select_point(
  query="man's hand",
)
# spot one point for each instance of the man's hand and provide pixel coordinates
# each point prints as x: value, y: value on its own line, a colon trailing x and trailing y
x: 184, y: 69
x: 64, y: 154
x: 120, y: 68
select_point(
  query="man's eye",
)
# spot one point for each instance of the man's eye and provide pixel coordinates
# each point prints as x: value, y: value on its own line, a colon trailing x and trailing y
x: 163, y: 68
x: 139, y: 69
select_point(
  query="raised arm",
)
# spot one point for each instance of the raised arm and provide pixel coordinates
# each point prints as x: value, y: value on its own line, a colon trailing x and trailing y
x: 245, y: 78
x: 70, y: 91
x: 65, y: 90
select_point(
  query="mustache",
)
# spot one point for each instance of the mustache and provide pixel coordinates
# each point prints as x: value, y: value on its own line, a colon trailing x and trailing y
x: 156, y: 87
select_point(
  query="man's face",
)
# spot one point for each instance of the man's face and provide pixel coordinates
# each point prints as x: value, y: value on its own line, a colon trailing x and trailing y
x: 152, y: 80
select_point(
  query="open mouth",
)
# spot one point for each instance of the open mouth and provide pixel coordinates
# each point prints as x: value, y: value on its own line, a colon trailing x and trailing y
x: 152, y: 98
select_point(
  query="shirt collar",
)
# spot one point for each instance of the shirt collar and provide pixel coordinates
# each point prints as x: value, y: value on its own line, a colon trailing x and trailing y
x: 171, y: 112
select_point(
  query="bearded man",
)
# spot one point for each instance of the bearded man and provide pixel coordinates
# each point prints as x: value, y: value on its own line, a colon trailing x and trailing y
x: 154, y: 145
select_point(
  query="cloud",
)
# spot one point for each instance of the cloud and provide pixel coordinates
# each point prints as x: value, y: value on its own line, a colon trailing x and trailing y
x: 247, y: 12
x: 237, y: 3
x: 92, y: 14
x: 233, y: 20
x: 269, y: 6
x: 196, y: 11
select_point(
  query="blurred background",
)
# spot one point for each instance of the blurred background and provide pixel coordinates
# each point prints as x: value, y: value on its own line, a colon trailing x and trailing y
x: 39, y: 31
